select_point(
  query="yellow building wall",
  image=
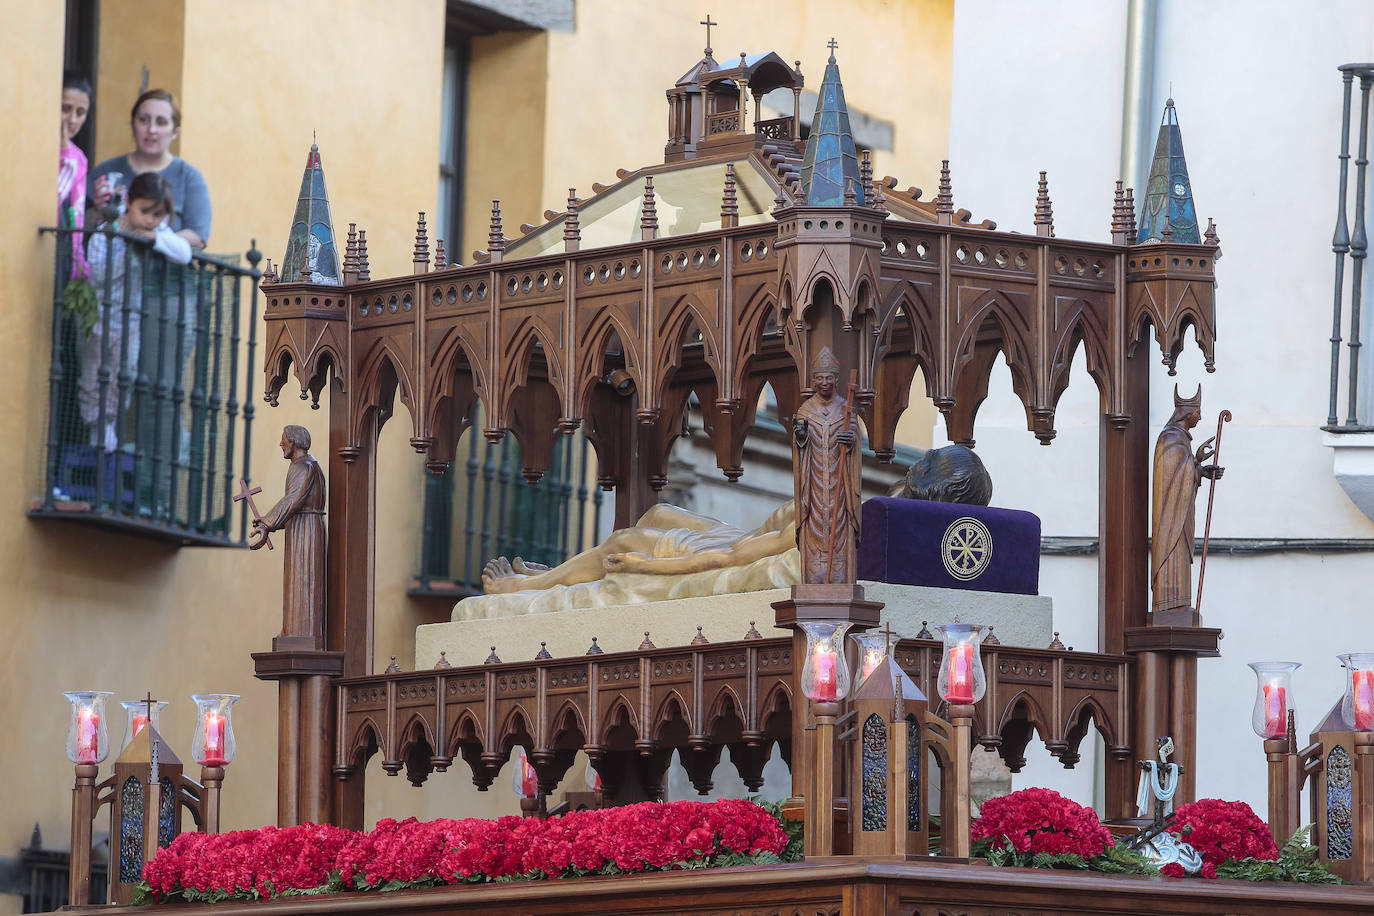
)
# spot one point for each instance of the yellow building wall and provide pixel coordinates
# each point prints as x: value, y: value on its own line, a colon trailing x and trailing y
x: 87, y: 608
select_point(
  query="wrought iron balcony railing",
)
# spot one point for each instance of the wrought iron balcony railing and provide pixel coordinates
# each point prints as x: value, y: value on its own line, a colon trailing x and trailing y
x: 150, y: 405
x: 1354, y: 241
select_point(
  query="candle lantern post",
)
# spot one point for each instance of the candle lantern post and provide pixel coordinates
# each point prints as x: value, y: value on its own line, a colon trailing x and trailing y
x: 213, y: 746
x: 961, y: 683
x: 88, y: 744
x: 1272, y: 718
x: 825, y: 683
x: 140, y: 713
x: 525, y: 781
x: 1341, y: 764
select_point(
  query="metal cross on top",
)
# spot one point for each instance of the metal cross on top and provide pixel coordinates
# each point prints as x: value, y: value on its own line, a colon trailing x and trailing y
x: 708, y: 23
x: 832, y: 45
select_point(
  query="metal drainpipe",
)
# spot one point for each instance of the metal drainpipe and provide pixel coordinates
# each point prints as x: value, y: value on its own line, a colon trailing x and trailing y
x: 1136, y: 116
x: 1137, y: 92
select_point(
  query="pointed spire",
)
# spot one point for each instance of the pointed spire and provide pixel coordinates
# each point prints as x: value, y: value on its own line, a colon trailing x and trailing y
x: 1044, y: 210
x: 496, y: 236
x: 310, y: 251
x: 421, y: 259
x: 594, y: 649
x: 648, y: 215
x: 647, y: 643
x: 1123, y: 218
x: 572, y: 228
x: 1169, y: 193
x: 753, y: 632
x: 363, y: 272
x: 440, y: 256
x: 944, y: 201
x: 350, y: 263
x: 729, y: 207
x: 493, y: 658
x: 831, y: 165
x: 543, y: 652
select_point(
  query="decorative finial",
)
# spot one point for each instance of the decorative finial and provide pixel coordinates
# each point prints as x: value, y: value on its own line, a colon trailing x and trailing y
x: 647, y: 643
x: 421, y: 258
x: 440, y: 256
x: 443, y: 661
x: 648, y: 212
x: 708, y: 23
x: 832, y: 45
x: 991, y: 639
x: 1130, y: 206
x: 781, y: 201
x: 1167, y: 233
x: 925, y: 631
x: 729, y: 208
x: 496, y: 236
x: 1055, y: 643
x: 270, y: 274
x: 753, y: 632
x: 594, y: 649
x: 350, y: 263
x: 879, y: 198
x: 1123, y: 218
x: 493, y: 658
x: 866, y: 169
x: 700, y: 639
x: 850, y: 198
x: 1210, y: 236
x: 393, y: 668
x: 944, y: 201
x: 364, y: 273
x: 1044, y: 210
x: 572, y: 229
x: 543, y: 652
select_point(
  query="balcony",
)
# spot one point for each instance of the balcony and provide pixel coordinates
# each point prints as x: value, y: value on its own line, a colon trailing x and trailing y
x: 150, y: 404
x: 1350, y: 432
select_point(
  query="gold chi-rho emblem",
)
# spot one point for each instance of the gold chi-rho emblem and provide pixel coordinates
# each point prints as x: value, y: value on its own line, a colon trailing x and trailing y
x: 966, y: 548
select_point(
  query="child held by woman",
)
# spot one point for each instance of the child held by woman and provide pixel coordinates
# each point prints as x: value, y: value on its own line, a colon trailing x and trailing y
x: 117, y: 271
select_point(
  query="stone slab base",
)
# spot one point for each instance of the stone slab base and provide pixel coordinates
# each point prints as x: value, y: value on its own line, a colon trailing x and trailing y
x: 1021, y: 620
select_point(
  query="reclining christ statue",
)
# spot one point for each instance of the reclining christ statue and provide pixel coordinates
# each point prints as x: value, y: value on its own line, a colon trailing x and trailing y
x: 671, y: 553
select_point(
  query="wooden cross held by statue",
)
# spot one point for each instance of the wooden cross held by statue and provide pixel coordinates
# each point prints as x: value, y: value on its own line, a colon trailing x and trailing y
x: 245, y: 493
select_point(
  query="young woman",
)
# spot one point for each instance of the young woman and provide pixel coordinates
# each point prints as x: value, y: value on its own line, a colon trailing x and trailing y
x: 71, y: 166
x: 156, y: 122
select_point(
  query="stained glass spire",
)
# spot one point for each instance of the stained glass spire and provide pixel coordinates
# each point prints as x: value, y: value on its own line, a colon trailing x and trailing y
x: 310, y: 253
x: 1169, y: 193
x: 831, y: 166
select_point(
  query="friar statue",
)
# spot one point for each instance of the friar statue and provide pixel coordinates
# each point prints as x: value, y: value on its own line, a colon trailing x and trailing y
x: 827, y: 478
x: 300, y: 512
x: 1178, y: 472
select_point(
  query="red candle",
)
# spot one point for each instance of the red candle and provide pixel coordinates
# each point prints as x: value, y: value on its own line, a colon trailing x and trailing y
x: 824, y: 685
x: 529, y: 780
x: 1275, y: 711
x: 1363, y: 684
x: 138, y: 723
x: 960, y: 687
x: 87, y: 736
x: 214, y: 740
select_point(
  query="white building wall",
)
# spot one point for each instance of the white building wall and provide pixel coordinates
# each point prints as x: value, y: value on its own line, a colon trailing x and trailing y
x: 1040, y: 86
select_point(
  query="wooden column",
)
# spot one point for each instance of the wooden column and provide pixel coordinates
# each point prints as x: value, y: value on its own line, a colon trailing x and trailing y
x: 83, y: 812
x: 1362, y: 806
x: 820, y: 795
x: 1123, y: 559
x: 956, y: 835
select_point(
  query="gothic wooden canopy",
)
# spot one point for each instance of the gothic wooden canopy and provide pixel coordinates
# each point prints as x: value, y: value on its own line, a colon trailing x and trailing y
x: 721, y: 271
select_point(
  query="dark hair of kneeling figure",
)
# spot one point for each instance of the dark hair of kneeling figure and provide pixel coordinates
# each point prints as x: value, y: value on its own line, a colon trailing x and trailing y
x: 953, y: 474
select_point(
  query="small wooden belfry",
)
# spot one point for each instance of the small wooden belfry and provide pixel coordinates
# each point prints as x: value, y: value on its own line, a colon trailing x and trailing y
x: 1340, y: 760
x: 888, y: 816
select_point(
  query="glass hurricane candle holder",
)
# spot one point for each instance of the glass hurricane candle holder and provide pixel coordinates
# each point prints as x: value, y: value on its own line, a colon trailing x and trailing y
x: 88, y: 735
x: 137, y: 712
x: 1357, y: 706
x: 825, y: 675
x: 524, y: 780
x: 212, y: 744
x: 962, y: 680
x: 1273, y: 697
x: 873, y: 649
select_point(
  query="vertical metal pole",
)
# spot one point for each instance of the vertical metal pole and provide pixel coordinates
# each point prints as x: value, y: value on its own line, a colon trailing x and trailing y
x: 216, y: 402
x: 254, y: 256
x: 195, y: 515
x: 56, y: 371
x: 175, y: 465
x: 1359, y: 244
x: 231, y: 404
x: 1340, y: 244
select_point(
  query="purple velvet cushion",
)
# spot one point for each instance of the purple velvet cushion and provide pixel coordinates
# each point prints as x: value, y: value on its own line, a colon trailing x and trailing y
x: 949, y: 545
